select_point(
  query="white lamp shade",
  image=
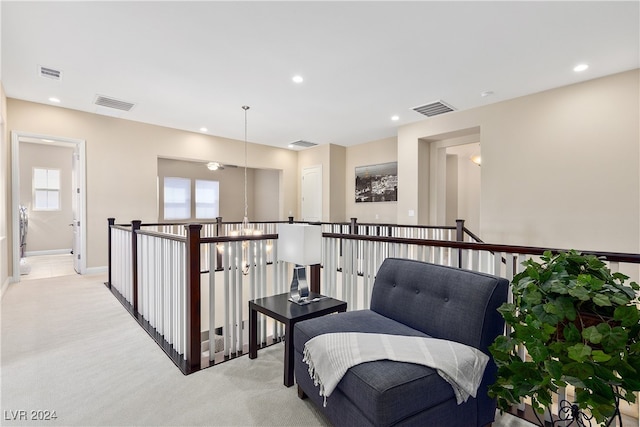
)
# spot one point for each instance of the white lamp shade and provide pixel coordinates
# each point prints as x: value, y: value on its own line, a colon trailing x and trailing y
x: 300, y: 243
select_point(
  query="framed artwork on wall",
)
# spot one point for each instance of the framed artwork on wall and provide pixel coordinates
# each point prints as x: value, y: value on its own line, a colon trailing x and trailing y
x: 377, y: 183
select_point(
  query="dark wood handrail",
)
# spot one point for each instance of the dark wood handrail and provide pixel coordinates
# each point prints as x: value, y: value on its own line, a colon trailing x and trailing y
x: 529, y: 250
x: 222, y: 239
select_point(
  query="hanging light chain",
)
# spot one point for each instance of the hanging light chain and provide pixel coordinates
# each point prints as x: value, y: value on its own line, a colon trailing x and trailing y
x: 246, y: 205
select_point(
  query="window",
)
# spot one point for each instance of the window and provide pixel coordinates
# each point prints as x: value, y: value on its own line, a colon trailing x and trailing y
x: 177, y: 198
x: 46, y: 189
x: 207, y: 199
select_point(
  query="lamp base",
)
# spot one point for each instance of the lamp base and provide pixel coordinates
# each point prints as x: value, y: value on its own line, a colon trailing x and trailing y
x: 299, y: 291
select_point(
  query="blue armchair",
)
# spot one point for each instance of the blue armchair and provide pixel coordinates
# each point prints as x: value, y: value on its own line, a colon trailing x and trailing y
x: 411, y: 298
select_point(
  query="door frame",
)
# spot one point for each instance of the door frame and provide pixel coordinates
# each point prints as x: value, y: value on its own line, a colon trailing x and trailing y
x: 79, y: 145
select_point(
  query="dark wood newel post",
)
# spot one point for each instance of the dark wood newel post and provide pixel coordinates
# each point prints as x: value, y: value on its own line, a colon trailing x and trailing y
x: 459, y: 238
x: 218, y: 253
x: 111, y: 222
x: 135, y: 226
x: 193, y: 297
x: 314, y: 273
x: 218, y: 226
x: 459, y: 230
x: 354, y: 226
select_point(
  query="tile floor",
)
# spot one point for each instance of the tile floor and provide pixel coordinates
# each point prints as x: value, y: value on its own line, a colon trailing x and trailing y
x: 45, y: 266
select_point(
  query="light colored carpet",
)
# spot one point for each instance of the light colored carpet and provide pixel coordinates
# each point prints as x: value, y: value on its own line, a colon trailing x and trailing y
x: 69, y: 346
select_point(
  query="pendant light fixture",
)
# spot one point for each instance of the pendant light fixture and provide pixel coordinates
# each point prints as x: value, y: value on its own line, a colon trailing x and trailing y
x: 245, y: 228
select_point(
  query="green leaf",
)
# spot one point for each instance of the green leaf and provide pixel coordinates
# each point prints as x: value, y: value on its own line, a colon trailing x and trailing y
x: 579, y: 352
x: 579, y: 292
x: 602, y: 300
x: 558, y: 287
x: 538, y: 353
x: 568, y: 308
x: 600, y: 356
x: 571, y: 333
x: 545, y: 317
x: 551, y: 308
x: 619, y: 299
x: 627, y: 315
x: 596, y: 284
x: 615, y: 339
x: 592, y: 335
x: 554, y: 368
x: 533, y: 298
x: 603, y: 328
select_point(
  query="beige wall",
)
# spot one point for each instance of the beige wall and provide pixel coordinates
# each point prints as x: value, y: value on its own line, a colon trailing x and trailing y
x: 122, y: 159
x: 47, y: 230
x: 332, y: 160
x: 5, y: 238
x: 266, y: 195
x: 468, y: 189
x: 376, y: 152
x: 337, y: 178
x: 262, y: 189
x: 559, y: 168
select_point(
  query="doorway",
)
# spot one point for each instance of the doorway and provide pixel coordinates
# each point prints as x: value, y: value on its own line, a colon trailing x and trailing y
x: 75, y: 148
x: 454, y: 178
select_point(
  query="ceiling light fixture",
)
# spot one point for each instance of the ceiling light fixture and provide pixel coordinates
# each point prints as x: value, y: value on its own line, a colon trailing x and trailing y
x: 580, y: 67
x: 53, y: 99
x: 395, y: 118
x: 486, y: 93
x: 297, y: 79
x: 203, y: 129
x: 213, y: 166
x: 476, y: 159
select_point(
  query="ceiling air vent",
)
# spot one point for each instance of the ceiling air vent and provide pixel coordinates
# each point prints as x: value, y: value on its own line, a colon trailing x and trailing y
x: 105, y: 101
x: 49, y: 73
x: 302, y: 144
x: 434, y: 108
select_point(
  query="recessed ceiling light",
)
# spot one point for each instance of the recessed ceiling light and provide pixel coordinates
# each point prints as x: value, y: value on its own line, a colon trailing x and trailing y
x: 52, y: 99
x: 297, y: 79
x: 486, y: 93
x: 203, y: 129
x: 580, y: 67
x: 395, y: 118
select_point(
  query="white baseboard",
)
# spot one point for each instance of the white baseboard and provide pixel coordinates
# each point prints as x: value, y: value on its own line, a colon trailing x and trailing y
x: 5, y: 287
x: 49, y: 252
x: 96, y: 270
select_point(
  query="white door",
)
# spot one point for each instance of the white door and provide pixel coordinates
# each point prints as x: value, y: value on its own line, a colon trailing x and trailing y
x: 75, y: 208
x: 312, y: 193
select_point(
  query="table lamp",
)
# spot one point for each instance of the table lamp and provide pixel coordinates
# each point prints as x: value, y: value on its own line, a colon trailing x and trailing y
x: 300, y: 244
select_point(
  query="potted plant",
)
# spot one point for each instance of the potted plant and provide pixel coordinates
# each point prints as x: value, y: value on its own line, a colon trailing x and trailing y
x: 580, y: 325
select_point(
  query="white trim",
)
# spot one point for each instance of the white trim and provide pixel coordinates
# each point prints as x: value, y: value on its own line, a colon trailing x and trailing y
x: 80, y: 144
x: 49, y: 252
x: 5, y: 287
x: 96, y: 270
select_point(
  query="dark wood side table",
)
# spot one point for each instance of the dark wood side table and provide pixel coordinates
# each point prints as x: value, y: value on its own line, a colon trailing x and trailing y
x: 279, y: 307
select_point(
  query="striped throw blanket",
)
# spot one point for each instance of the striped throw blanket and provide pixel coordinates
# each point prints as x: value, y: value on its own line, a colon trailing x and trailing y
x: 329, y: 356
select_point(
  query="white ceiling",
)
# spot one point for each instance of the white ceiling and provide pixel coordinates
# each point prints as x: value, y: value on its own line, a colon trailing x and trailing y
x: 187, y: 65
